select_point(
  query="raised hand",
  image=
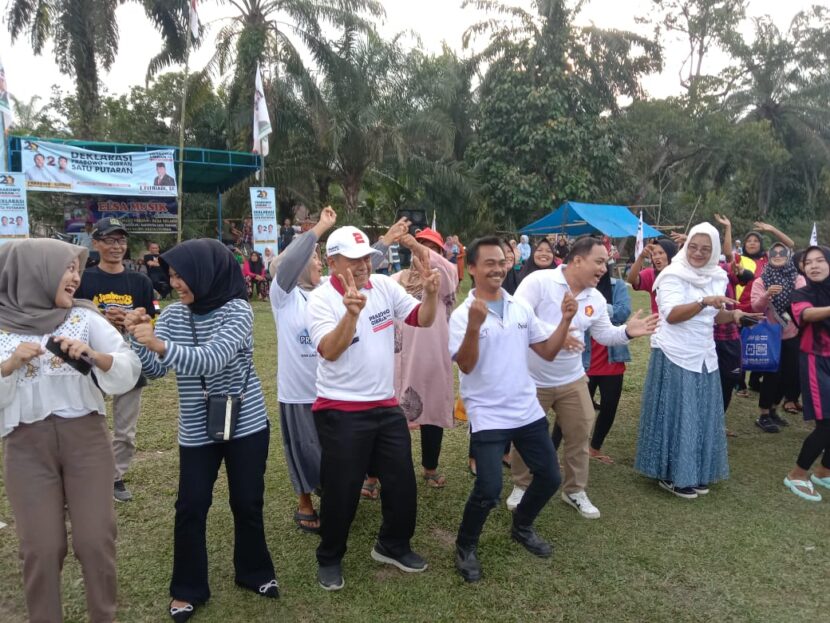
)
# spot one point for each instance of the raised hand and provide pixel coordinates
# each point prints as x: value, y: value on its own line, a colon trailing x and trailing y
x: 638, y: 325
x: 723, y: 220
x: 395, y: 232
x: 762, y: 226
x: 353, y: 300
x: 116, y: 316
x: 719, y: 302
x: 569, y: 307
x: 646, y: 253
x: 478, y: 314
x: 774, y: 290
x: 678, y: 238
x: 328, y: 217
x: 135, y: 317
x: 429, y: 277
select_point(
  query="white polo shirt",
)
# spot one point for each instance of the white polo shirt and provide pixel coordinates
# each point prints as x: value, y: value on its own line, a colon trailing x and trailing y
x: 364, y: 373
x: 499, y: 393
x: 543, y: 291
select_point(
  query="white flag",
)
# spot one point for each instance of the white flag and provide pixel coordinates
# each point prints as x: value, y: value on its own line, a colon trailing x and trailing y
x: 638, y: 246
x: 262, y: 123
x: 5, y: 102
x: 434, y: 228
x: 195, y: 24
x: 814, y: 236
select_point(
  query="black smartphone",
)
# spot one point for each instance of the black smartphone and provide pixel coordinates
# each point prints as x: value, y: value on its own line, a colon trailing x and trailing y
x: 747, y: 321
x: 82, y: 365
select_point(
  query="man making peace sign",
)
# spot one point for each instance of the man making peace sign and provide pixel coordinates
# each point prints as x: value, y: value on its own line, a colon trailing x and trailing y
x: 359, y: 423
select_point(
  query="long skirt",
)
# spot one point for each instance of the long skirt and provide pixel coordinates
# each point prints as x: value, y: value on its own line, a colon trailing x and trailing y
x: 682, y: 435
x: 301, y: 446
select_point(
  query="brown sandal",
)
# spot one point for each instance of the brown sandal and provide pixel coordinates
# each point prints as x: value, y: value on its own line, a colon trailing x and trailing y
x: 435, y: 480
x: 370, y: 490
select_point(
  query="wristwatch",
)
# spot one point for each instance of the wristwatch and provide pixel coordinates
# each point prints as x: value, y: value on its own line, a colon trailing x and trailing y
x: 701, y: 303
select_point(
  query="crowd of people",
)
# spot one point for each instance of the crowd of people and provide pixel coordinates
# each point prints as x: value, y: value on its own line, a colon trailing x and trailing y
x: 365, y: 356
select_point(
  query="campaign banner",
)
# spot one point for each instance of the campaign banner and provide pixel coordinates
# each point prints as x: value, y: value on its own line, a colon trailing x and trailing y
x: 140, y: 215
x: 264, y: 216
x: 14, y: 212
x: 57, y: 168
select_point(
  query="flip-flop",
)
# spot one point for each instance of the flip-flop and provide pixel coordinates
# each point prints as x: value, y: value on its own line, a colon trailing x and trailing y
x: 371, y: 489
x: 730, y: 433
x: 824, y: 482
x: 301, y: 517
x: 792, y: 409
x: 603, y: 458
x: 793, y: 485
x: 436, y: 480
x: 743, y: 393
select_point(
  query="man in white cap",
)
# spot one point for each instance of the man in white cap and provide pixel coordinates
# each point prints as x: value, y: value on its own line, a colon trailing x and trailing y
x: 359, y: 423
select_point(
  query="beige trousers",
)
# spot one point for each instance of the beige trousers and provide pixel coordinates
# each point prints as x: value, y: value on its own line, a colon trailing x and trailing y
x: 125, y: 410
x: 575, y: 416
x: 53, y: 464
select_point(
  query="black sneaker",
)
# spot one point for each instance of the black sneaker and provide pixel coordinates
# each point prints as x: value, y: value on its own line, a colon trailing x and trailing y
x: 409, y: 562
x: 777, y: 419
x: 700, y: 489
x: 466, y: 561
x: 766, y: 424
x: 271, y: 589
x: 120, y: 492
x: 682, y: 492
x: 331, y: 577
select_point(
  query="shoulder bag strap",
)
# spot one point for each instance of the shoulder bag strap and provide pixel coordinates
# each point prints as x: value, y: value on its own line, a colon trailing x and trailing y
x: 202, y: 378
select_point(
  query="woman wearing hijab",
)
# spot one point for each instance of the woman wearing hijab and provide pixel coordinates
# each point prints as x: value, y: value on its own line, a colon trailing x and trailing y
x: 423, y: 368
x: 256, y: 276
x: 682, y: 441
x: 660, y: 253
x: 297, y: 271
x: 524, y: 249
x: 57, y: 452
x: 811, y: 310
x: 541, y: 258
x: 207, y: 339
x: 511, y: 275
x: 772, y: 294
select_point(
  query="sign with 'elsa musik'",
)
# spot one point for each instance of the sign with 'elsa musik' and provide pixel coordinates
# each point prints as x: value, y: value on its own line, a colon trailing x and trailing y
x: 55, y: 167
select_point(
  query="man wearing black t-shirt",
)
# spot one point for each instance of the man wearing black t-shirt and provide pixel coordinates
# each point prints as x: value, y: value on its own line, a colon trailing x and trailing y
x: 116, y: 291
x: 161, y: 281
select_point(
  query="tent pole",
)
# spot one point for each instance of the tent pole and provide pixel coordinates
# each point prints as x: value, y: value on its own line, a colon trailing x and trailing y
x: 219, y: 214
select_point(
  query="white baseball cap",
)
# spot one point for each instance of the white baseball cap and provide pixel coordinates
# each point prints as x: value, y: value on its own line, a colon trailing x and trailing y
x: 349, y: 242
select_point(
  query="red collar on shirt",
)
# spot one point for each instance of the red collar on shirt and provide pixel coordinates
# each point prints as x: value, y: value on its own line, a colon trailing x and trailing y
x: 335, y: 283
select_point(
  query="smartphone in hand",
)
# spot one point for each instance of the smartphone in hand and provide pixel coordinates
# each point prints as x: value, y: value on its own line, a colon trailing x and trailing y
x: 82, y: 365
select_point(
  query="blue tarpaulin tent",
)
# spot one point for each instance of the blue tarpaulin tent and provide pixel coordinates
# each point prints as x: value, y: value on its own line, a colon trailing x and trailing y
x: 574, y: 219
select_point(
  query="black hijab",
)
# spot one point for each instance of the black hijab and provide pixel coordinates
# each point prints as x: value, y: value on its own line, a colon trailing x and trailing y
x: 816, y: 293
x: 606, y: 288
x: 669, y: 248
x: 761, y: 250
x: 209, y: 269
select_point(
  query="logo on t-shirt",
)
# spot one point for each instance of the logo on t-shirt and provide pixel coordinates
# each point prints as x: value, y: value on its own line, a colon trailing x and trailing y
x: 112, y: 299
x: 522, y: 325
x: 381, y: 320
x: 589, y: 310
x: 304, y: 338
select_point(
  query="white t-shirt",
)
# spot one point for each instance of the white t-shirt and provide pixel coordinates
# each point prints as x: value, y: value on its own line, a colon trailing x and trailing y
x: 499, y: 394
x: 366, y: 369
x: 543, y: 291
x: 296, y: 356
x: 691, y: 343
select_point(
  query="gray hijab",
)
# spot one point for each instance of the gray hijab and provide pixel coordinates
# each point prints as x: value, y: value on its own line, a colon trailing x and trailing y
x: 30, y: 273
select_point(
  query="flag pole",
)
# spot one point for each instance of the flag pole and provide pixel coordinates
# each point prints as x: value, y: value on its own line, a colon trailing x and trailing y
x: 180, y: 180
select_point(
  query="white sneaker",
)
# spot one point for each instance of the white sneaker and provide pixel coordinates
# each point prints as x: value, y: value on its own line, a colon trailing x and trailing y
x: 581, y: 503
x: 514, y: 498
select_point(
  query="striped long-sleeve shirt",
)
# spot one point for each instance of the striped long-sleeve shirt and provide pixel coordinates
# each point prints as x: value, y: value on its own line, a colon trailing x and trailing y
x: 223, y: 355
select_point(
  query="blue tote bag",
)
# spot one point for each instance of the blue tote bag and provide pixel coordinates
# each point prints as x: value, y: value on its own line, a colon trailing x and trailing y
x: 761, y: 347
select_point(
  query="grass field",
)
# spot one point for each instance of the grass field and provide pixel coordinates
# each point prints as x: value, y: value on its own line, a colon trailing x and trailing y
x: 749, y: 551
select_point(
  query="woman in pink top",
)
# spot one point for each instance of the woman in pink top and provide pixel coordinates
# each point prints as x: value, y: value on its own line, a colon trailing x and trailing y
x: 772, y: 294
x: 253, y: 269
x: 660, y: 253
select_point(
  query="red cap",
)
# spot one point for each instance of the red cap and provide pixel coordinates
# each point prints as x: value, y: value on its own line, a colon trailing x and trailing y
x: 430, y: 235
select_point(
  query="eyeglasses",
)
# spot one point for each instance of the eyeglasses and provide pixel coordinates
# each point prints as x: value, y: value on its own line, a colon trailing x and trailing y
x: 111, y: 242
x: 779, y: 253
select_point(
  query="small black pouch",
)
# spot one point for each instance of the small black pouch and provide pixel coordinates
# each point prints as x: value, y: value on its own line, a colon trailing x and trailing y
x: 222, y: 409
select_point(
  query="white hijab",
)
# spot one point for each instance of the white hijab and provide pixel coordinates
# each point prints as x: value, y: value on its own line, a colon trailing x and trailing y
x: 701, y: 277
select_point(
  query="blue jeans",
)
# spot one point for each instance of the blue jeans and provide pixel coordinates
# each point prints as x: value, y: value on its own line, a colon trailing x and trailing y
x: 487, y: 447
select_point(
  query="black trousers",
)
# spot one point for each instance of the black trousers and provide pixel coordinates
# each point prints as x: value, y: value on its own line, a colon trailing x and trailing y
x: 815, y: 445
x: 534, y: 444
x: 784, y: 384
x: 729, y: 368
x: 245, y: 460
x: 431, y: 438
x: 354, y: 444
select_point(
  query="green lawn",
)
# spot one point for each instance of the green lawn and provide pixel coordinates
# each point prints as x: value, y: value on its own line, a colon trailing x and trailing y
x: 749, y: 551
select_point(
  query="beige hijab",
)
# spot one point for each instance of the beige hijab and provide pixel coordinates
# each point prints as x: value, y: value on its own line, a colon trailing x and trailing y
x: 30, y: 273
x: 304, y: 281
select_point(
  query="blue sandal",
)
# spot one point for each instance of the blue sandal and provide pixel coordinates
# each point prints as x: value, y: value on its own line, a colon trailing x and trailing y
x: 824, y: 482
x: 793, y: 485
